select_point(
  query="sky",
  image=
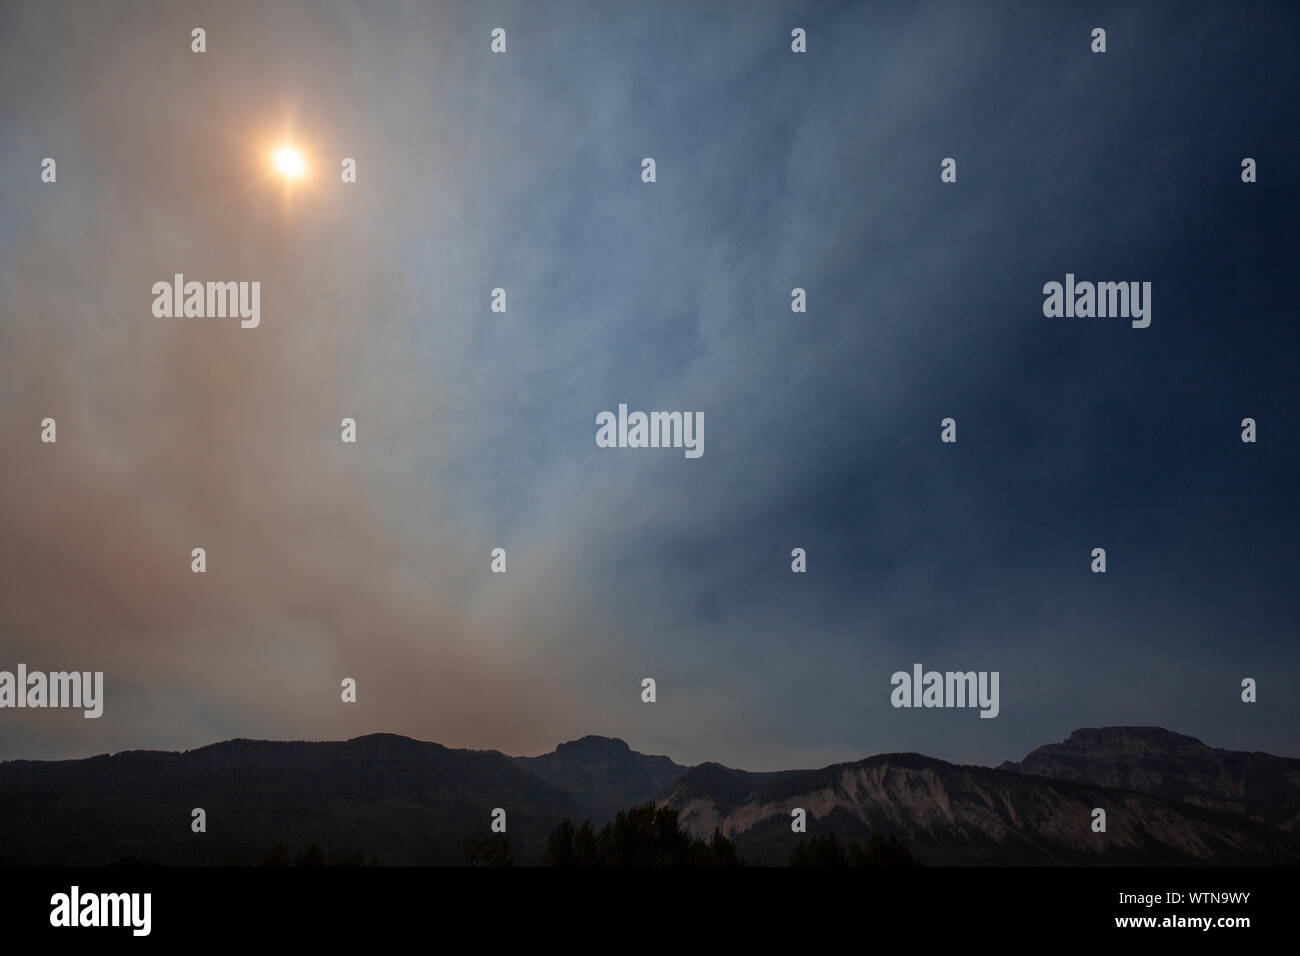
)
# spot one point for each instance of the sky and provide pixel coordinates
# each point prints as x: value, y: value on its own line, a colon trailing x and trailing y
x: 476, y: 430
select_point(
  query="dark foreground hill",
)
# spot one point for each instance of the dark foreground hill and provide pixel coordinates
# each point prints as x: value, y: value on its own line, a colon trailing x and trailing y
x: 400, y: 800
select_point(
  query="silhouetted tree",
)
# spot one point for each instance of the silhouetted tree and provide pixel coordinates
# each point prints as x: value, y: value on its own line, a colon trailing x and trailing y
x: 882, y: 851
x: 719, y: 851
x: 645, y: 835
x: 559, y: 847
x: 585, y: 850
x: 819, y: 849
x: 488, y: 849
x: 312, y: 856
x: 826, y: 850
x: 278, y: 855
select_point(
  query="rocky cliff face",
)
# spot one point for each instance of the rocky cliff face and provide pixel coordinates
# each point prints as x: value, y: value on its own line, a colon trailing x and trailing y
x: 1175, y: 767
x: 950, y: 814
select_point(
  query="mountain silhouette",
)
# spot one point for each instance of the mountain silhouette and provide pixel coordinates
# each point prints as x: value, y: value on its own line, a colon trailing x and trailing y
x: 1176, y: 767
x: 1168, y: 798
x: 952, y: 814
x: 404, y: 801
x: 603, y: 774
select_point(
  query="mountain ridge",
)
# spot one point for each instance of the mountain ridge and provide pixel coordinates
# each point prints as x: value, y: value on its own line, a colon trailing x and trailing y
x: 1169, y: 799
x: 1174, y: 766
x: 950, y: 813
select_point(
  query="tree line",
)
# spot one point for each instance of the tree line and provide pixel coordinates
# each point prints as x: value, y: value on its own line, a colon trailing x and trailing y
x: 649, y: 835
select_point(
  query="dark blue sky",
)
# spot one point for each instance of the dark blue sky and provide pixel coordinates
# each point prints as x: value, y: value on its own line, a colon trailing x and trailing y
x: 476, y: 430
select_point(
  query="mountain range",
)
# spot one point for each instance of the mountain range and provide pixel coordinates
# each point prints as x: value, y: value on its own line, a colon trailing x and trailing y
x: 1169, y: 800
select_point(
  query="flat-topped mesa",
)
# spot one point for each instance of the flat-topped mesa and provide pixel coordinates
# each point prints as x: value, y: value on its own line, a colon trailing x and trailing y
x: 593, y: 744
x: 1088, y: 734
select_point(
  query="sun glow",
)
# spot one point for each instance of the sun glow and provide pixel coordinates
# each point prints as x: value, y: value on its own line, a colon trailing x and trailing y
x: 289, y: 163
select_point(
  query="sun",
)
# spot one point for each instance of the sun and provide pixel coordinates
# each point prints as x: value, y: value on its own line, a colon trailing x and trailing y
x: 289, y: 163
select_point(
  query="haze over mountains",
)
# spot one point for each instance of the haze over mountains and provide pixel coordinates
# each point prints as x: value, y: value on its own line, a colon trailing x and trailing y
x: 603, y: 774
x: 1169, y: 800
x: 1176, y: 767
